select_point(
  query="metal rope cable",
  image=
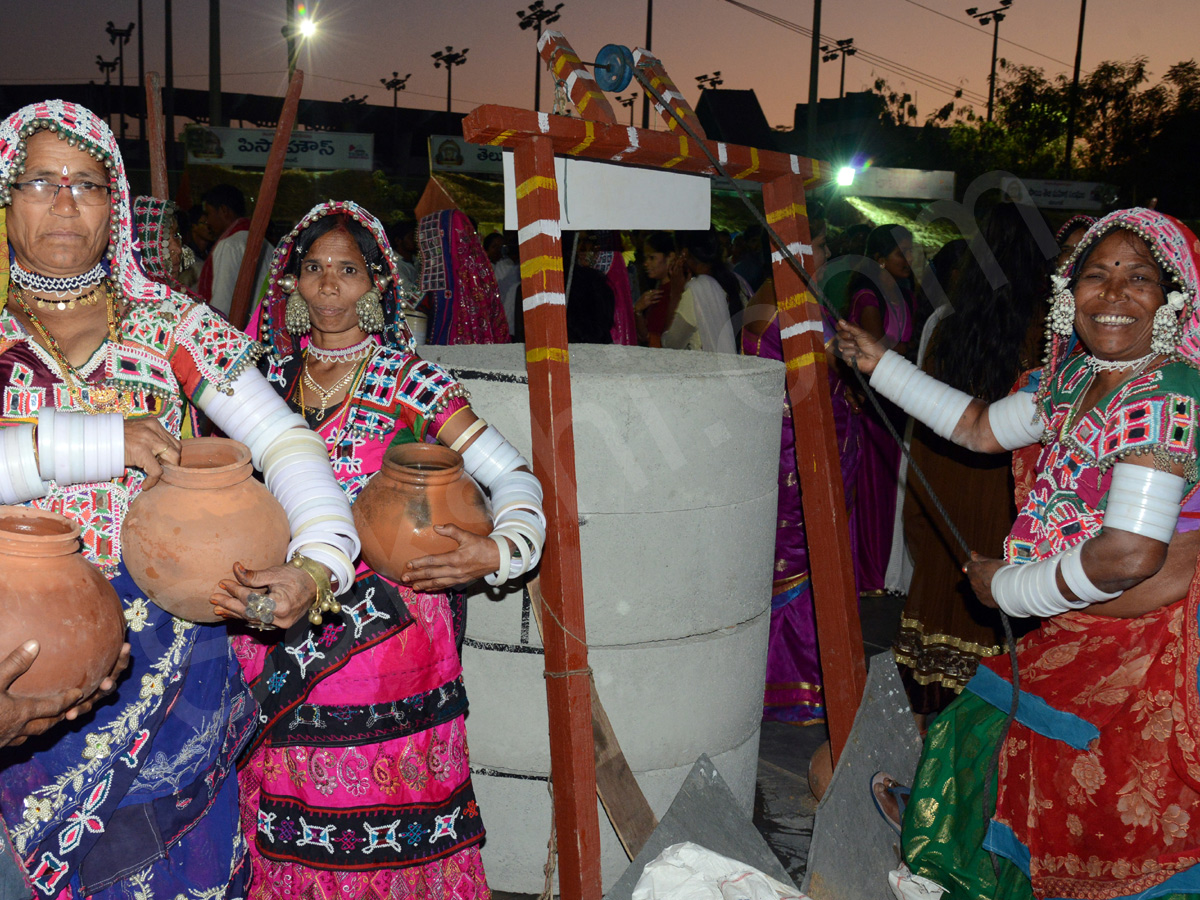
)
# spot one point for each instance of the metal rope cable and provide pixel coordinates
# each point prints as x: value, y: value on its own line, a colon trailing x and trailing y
x: 816, y: 292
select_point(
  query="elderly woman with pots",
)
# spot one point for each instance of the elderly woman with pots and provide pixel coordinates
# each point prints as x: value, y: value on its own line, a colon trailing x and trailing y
x: 1097, y: 779
x: 96, y: 365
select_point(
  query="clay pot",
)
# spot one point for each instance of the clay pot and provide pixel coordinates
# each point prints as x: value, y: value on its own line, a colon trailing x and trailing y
x: 820, y: 770
x: 183, y: 535
x: 52, y: 594
x: 419, y: 486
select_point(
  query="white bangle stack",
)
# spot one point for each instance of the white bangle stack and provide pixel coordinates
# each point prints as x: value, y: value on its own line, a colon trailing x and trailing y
x: 1014, y: 421
x: 295, y: 466
x: 19, y: 476
x: 1071, y: 566
x: 1031, y: 589
x: 80, y: 448
x: 921, y: 396
x: 516, y: 496
x: 1144, y: 501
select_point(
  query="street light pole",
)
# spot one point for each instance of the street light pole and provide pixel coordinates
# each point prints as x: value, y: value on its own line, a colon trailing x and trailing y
x: 141, y: 71
x: 813, y: 75
x: 995, y: 16
x: 169, y: 66
x: 649, y: 47
x: 107, y: 66
x: 450, y: 58
x: 214, y: 63
x: 395, y: 84
x: 842, y: 48
x: 710, y: 82
x: 627, y: 102
x: 535, y: 17
x: 1074, y: 102
x: 120, y: 37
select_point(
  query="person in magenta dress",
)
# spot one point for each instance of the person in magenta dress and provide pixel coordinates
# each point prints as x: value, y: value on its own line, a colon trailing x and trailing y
x: 357, y: 783
x: 881, y: 303
x: 794, y: 690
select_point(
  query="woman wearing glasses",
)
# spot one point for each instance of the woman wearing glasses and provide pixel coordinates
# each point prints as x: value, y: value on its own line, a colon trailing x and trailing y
x: 96, y: 364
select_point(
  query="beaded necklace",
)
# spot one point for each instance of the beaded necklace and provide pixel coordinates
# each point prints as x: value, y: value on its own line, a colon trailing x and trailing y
x: 62, y: 288
x: 1118, y: 365
x: 101, y: 398
x: 343, y: 354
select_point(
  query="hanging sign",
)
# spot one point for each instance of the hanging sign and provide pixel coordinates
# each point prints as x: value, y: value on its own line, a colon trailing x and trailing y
x: 249, y: 148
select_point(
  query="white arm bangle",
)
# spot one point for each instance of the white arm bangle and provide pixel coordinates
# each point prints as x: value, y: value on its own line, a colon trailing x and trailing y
x: 1144, y: 501
x: 78, y: 448
x: 922, y: 396
x: 1014, y: 421
x: 19, y: 476
x: 1031, y: 590
x: 502, y: 572
x: 468, y: 433
x: 1077, y: 579
x: 491, y: 456
x: 253, y: 414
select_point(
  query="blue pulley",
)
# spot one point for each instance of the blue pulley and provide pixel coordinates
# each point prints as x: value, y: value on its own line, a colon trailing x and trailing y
x: 613, y: 69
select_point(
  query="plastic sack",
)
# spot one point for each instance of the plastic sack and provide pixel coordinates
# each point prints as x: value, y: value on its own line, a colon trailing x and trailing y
x: 688, y: 871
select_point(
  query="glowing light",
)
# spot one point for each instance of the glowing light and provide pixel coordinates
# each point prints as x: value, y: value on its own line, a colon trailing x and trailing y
x: 307, y: 27
x: 845, y: 176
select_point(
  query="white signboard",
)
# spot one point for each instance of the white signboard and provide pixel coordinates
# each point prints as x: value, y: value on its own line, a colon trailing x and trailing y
x: 452, y: 154
x: 249, y: 147
x: 1086, y: 195
x: 903, y: 184
x: 600, y: 195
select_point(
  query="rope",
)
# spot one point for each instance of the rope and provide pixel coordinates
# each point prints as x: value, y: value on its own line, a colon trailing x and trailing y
x: 816, y: 292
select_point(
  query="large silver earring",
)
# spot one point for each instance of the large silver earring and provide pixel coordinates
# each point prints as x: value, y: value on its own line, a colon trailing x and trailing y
x: 370, y: 311
x: 1165, y: 334
x: 295, y: 314
x: 1062, y: 312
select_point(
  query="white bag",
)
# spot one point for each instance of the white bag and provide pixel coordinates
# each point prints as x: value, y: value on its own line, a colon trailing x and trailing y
x: 688, y: 871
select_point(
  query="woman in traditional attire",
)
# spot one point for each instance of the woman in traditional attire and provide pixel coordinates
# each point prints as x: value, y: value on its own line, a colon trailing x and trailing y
x: 461, y: 298
x: 793, y: 690
x: 1097, y: 787
x: 988, y: 339
x: 96, y: 363
x: 161, y: 251
x: 609, y: 261
x: 358, y: 784
x: 712, y: 298
x: 882, y: 304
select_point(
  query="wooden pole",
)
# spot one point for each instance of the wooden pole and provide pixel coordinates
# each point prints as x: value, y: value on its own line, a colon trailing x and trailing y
x: 157, y: 137
x: 568, y: 685
x: 839, y: 632
x: 239, y: 311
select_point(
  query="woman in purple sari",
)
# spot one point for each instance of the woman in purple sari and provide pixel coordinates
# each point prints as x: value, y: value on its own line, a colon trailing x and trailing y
x: 882, y: 304
x: 793, y: 691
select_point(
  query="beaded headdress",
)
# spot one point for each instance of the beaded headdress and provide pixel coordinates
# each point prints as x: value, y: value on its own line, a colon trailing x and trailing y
x: 1177, y: 252
x: 272, y: 330
x: 1073, y: 224
x: 81, y: 128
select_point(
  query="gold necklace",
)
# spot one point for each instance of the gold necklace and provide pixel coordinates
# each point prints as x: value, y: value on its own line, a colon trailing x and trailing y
x: 88, y: 299
x: 101, y: 398
x: 323, y: 392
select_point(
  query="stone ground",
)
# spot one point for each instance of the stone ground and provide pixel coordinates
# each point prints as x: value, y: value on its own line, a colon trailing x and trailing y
x: 783, y: 805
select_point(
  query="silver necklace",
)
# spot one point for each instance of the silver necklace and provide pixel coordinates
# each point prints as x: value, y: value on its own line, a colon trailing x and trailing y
x: 342, y: 354
x: 59, y: 287
x: 1118, y: 365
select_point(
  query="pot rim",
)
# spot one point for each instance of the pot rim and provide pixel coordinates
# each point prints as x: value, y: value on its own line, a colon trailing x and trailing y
x: 17, y: 543
x: 449, y: 462
x: 207, y: 477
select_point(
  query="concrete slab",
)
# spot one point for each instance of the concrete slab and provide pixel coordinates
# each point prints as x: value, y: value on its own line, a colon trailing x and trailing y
x: 852, y: 846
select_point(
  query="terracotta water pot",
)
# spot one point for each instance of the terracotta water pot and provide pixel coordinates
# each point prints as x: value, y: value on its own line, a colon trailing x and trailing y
x: 183, y: 535
x: 419, y: 486
x: 52, y: 594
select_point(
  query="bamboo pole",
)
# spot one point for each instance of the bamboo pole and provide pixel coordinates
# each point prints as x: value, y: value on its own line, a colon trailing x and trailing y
x: 239, y: 311
x: 156, y: 135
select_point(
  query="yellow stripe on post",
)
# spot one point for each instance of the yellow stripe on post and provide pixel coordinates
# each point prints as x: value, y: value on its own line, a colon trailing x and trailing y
x: 540, y: 264
x: 501, y: 138
x: 795, y: 210
x: 683, y: 153
x: 563, y: 59
x: 753, y: 164
x: 806, y: 359
x: 536, y: 183
x: 540, y: 354
x: 588, y: 125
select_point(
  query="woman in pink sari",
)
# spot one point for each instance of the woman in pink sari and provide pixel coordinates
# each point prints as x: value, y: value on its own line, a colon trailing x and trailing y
x: 357, y: 783
x: 461, y: 297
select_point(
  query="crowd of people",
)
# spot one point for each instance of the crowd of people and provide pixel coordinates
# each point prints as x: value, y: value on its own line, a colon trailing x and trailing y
x: 289, y: 755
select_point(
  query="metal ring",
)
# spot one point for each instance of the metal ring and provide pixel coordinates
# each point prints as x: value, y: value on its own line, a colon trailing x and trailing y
x: 158, y: 453
x: 260, y: 608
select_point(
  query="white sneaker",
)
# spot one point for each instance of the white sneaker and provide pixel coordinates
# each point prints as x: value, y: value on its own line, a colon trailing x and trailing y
x: 907, y: 886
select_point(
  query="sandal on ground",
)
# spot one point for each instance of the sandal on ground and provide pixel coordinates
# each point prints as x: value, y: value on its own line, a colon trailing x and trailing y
x: 884, y: 784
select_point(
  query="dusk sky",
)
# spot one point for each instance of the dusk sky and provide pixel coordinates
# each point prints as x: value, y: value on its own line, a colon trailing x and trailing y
x: 361, y: 41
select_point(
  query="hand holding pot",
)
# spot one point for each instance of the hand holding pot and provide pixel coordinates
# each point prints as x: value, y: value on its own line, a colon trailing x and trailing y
x: 475, y: 557
x: 23, y: 717
x: 291, y: 590
x: 147, y: 446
